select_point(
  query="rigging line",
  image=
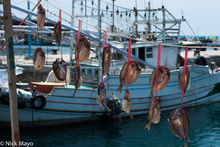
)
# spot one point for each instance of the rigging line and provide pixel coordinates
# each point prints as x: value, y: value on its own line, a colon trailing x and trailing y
x: 73, y: 16
x: 191, y: 29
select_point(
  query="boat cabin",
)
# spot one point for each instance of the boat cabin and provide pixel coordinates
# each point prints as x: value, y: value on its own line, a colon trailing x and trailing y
x: 149, y: 52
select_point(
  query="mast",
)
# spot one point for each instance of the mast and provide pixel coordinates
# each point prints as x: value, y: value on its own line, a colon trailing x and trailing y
x: 29, y: 35
x: 99, y: 37
x: 113, y: 16
x: 72, y: 40
x: 136, y: 19
x: 149, y: 21
x: 11, y: 71
x: 164, y: 23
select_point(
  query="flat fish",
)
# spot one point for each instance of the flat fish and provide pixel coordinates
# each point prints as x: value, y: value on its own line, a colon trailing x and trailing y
x: 126, y: 104
x: 179, y: 124
x: 187, y: 79
x: 60, y: 69
x: 84, y: 49
x: 154, y: 113
x: 41, y: 15
x: 106, y: 59
x: 57, y: 32
x: 162, y: 80
x: 133, y: 73
x: 102, y: 95
x: 39, y: 59
x: 77, y: 79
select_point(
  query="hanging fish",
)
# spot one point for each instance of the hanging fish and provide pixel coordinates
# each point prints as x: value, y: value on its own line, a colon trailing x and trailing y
x: 102, y: 95
x: 133, y: 73
x: 154, y: 113
x: 187, y: 79
x: 162, y: 79
x: 41, y: 15
x: 106, y: 59
x: 60, y: 69
x: 77, y: 79
x: 84, y: 49
x: 126, y: 104
x: 39, y: 59
x: 179, y: 124
x: 57, y: 32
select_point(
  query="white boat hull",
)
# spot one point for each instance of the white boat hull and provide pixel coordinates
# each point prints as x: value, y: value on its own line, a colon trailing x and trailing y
x: 62, y: 108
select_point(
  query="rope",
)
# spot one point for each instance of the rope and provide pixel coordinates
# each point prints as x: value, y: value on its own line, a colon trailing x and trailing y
x: 60, y: 20
x: 128, y: 60
x: 103, y: 46
x: 79, y: 34
x: 184, y: 71
x: 158, y: 65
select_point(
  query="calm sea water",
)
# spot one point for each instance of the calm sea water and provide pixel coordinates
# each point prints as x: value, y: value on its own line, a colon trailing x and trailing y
x: 204, y: 131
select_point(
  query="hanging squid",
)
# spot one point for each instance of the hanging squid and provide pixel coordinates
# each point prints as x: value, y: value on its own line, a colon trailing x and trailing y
x: 41, y: 15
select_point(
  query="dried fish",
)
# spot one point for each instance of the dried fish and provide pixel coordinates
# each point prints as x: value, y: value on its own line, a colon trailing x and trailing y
x: 126, y: 104
x: 77, y: 79
x: 106, y: 59
x: 133, y: 73
x: 179, y: 124
x: 102, y: 95
x: 39, y: 59
x: 154, y: 113
x: 60, y: 69
x: 162, y: 79
x: 187, y: 79
x: 83, y: 48
x: 41, y: 15
x: 57, y: 32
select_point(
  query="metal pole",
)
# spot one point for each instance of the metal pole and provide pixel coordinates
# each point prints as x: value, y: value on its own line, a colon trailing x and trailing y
x: 149, y: 21
x: 72, y: 40
x: 136, y: 18
x: 113, y: 16
x: 29, y: 35
x: 136, y: 25
x: 99, y: 37
x: 164, y: 25
x: 11, y: 71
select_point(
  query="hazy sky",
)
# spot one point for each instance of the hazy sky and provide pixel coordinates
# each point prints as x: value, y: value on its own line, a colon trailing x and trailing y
x: 202, y: 15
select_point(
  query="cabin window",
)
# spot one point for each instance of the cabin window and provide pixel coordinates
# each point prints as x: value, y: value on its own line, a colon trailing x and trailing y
x: 133, y: 51
x: 149, y: 53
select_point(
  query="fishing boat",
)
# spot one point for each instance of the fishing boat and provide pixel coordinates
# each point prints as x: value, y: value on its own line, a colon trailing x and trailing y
x: 53, y: 102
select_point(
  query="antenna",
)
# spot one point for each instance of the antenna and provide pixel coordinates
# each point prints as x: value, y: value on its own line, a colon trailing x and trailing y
x: 162, y: 2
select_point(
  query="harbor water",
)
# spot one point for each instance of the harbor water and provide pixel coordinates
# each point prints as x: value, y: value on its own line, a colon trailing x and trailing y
x: 204, y: 132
